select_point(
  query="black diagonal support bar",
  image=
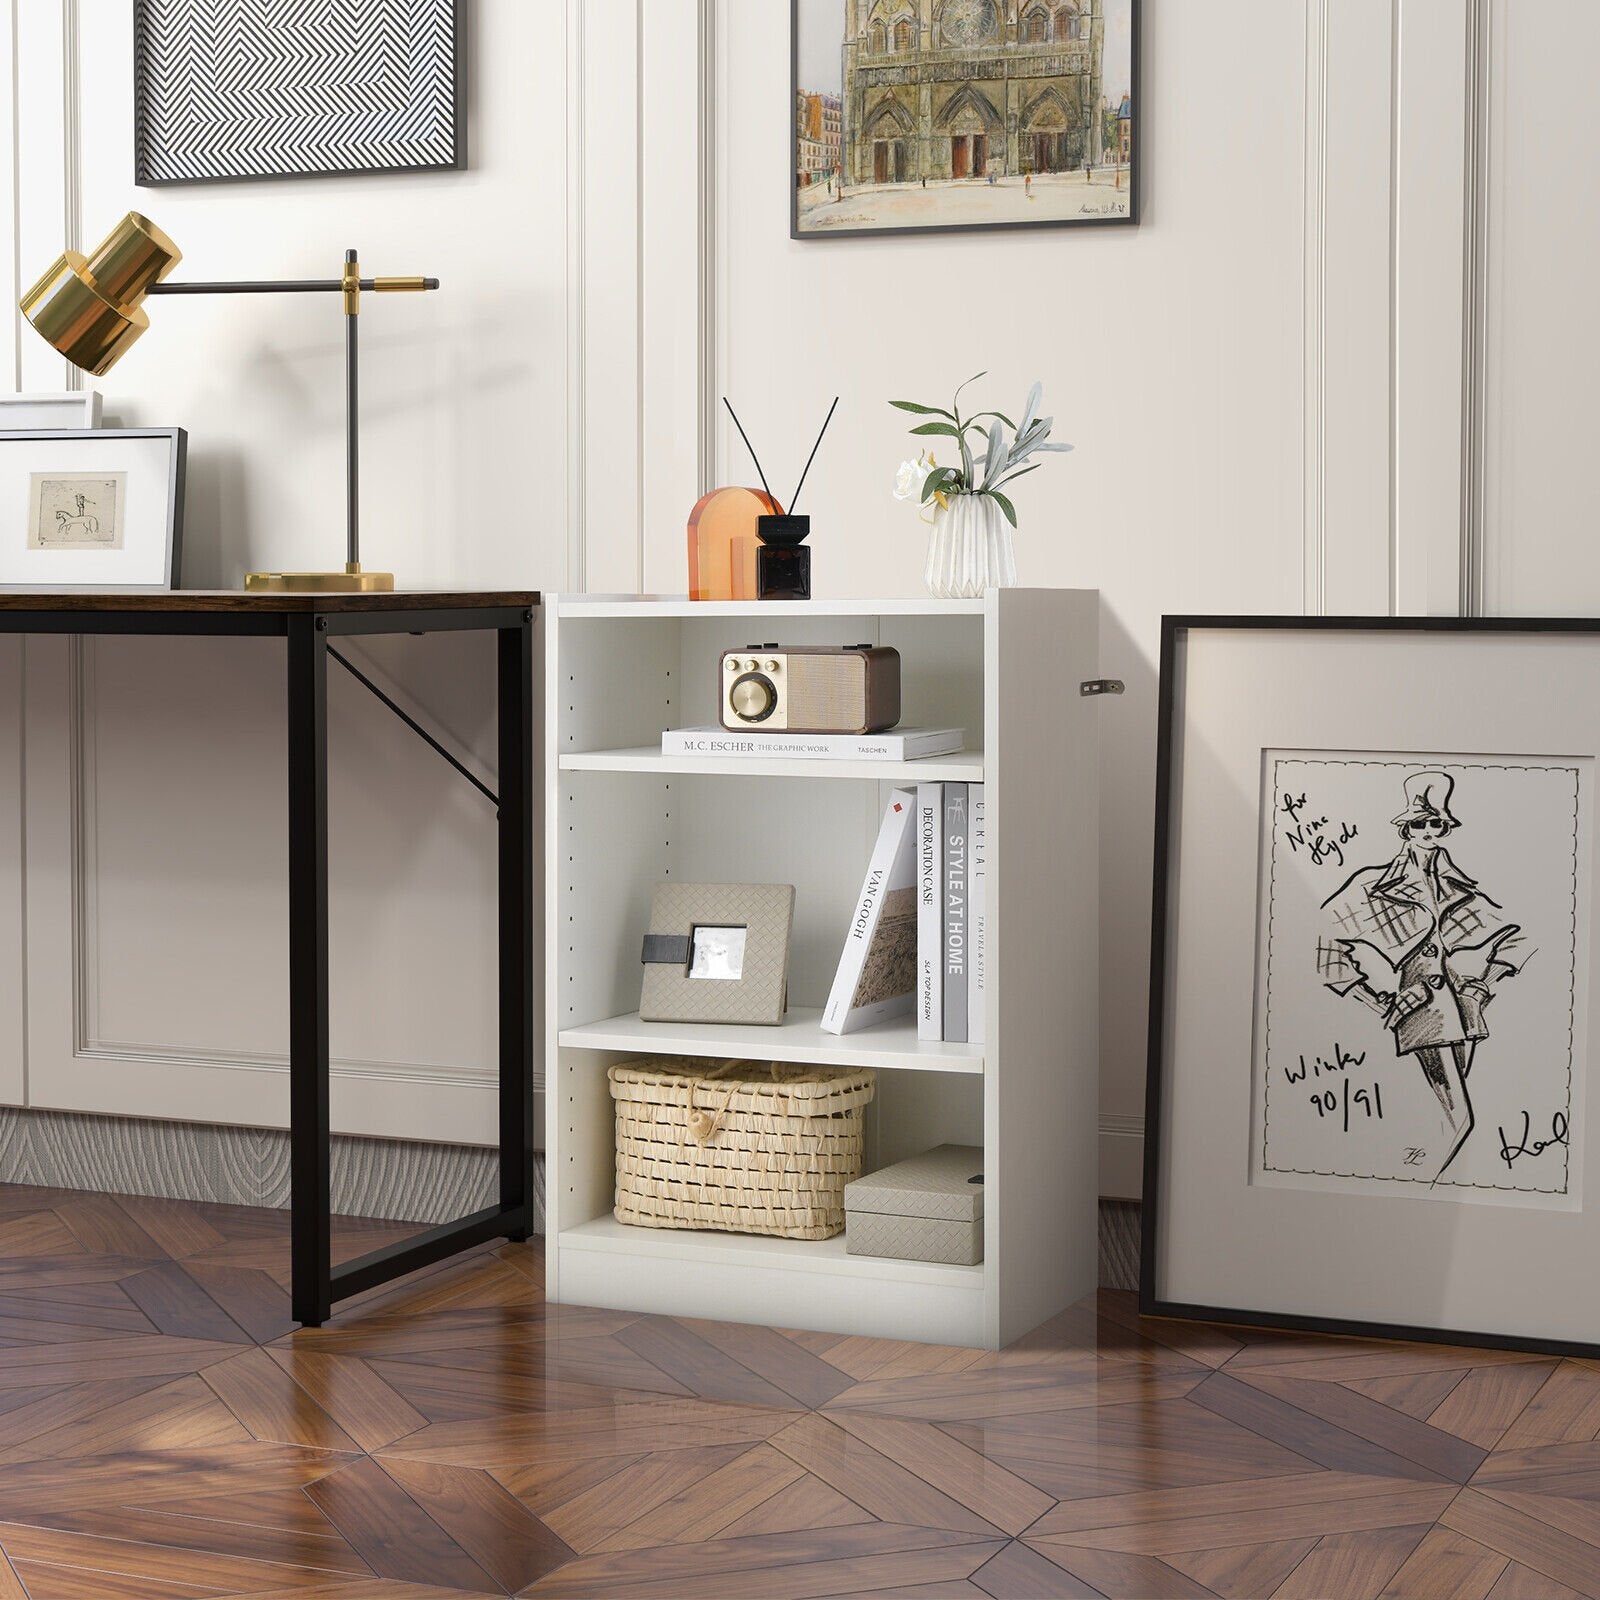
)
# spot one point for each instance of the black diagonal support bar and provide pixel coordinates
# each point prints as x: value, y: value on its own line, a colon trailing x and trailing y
x: 415, y: 726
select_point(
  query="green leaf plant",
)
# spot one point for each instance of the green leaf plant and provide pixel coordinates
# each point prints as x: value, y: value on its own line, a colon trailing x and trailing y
x: 1001, y: 460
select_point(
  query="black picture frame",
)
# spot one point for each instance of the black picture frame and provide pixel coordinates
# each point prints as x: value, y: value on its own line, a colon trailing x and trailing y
x: 177, y: 476
x: 1135, y: 162
x: 146, y: 94
x: 1174, y: 630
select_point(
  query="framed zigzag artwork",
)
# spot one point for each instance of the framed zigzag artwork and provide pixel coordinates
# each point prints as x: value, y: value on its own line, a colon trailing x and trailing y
x: 235, y: 89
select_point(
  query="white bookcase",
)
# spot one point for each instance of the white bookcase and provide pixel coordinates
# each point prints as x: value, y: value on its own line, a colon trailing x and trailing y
x: 620, y: 817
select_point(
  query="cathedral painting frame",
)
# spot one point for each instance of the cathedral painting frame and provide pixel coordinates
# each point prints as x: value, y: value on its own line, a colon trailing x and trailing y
x: 941, y: 116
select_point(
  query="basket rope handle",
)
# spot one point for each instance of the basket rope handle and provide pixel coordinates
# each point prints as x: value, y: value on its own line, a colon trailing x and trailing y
x: 704, y: 1124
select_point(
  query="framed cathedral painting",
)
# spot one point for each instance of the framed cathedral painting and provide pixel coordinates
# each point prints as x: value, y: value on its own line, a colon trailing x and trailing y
x: 913, y: 116
x: 1372, y: 965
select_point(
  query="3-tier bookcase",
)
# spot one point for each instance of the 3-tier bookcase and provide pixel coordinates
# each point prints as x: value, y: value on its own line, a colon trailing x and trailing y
x: 620, y: 816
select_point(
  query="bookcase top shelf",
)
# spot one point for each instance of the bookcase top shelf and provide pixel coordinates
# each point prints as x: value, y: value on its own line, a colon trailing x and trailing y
x: 891, y: 1045
x: 652, y: 605
x: 965, y: 766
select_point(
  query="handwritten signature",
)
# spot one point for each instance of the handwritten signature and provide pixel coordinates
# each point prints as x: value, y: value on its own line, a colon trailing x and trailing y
x: 1320, y: 837
x: 1511, y: 1153
x: 1341, y: 1061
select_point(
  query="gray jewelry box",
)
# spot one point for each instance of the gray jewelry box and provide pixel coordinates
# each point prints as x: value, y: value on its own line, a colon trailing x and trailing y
x: 925, y: 1209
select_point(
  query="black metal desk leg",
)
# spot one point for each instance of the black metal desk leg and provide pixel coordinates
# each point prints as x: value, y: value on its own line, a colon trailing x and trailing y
x: 516, y: 922
x: 308, y: 971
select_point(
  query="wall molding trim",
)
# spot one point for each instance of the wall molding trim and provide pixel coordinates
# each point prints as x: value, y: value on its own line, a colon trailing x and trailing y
x: 398, y: 1180
x: 1121, y: 1157
x: 1314, y: 528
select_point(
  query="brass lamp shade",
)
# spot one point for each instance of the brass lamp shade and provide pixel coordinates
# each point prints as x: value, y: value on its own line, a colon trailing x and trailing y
x: 89, y: 307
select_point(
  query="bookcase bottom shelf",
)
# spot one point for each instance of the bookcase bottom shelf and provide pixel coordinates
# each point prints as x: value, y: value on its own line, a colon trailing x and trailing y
x: 778, y: 1282
x: 798, y: 1038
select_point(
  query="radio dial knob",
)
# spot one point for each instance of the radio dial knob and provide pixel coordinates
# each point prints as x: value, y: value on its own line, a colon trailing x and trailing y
x: 772, y: 666
x: 752, y: 698
x: 732, y: 664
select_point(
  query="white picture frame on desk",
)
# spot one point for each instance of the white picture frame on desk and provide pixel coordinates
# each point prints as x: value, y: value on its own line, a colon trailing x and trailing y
x: 72, y: 408
x: 91, y: 509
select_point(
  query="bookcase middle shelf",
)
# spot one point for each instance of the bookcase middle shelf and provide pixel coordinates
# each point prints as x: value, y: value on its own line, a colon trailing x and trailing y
x: 965, y: 766
x: 891, y: 1045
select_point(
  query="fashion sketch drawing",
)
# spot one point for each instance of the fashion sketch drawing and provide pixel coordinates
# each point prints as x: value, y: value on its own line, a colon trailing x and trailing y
x: 1419, y: 943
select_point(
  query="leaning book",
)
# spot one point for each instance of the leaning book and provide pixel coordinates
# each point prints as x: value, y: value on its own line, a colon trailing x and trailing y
x: 903, y: 744
x: 877, y: 976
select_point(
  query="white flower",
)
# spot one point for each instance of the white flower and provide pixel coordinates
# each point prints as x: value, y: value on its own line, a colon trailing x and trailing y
x: 908, y: 481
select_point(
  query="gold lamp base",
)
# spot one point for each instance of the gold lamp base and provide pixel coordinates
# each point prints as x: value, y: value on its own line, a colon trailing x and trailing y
x: 351, y: 581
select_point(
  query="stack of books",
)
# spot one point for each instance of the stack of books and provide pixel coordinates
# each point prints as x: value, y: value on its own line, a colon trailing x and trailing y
x: 918, y: 937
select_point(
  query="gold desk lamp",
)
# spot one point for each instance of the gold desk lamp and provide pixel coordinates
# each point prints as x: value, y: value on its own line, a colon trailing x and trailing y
x: 90, y: 308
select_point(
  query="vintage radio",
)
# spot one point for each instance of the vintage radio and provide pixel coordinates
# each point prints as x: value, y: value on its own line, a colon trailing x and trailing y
x: 820, y: 688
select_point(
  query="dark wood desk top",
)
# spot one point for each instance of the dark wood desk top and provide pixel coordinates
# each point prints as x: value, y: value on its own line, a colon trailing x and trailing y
x: 237, y: 601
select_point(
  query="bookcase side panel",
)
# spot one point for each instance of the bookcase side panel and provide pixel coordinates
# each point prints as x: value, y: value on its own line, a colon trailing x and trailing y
x: 1042, y: 1082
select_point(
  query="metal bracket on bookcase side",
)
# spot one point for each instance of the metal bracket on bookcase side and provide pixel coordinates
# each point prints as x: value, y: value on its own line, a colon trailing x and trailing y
x: 1101, y: 686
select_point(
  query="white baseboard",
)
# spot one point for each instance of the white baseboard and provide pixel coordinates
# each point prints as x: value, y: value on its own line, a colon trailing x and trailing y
x: 1121, y: 1157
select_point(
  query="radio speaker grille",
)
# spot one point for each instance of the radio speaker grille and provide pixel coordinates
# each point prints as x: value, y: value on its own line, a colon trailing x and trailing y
x: 827, y: 691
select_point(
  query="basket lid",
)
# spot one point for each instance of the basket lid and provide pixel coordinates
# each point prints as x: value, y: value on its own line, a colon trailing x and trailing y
x: 946, y: 1182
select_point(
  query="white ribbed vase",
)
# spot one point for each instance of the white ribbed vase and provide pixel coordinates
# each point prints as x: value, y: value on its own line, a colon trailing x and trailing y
x: 969, y: 548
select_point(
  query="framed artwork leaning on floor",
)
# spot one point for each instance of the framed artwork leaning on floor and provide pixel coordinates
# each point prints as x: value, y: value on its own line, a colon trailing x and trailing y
x: 1372, y: 966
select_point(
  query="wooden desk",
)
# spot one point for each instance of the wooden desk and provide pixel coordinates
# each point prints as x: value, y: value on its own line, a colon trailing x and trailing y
x: 306, y: 623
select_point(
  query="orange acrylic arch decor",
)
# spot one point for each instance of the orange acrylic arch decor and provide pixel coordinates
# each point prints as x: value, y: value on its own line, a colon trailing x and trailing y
x: 723, y: 543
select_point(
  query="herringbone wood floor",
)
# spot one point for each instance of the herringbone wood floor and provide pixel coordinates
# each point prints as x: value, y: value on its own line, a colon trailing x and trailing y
x: 164, y: 1433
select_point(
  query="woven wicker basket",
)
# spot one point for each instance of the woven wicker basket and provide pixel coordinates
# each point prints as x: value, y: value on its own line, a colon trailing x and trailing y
x: 739, y: 1146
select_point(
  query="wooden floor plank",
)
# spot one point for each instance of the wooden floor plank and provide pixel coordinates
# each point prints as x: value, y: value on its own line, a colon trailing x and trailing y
x: 891, y: 1492
x: 706, y: 1508
x: 180, y: 1227
x: 1565, y: 1410
x: 1523, y: 1583
x: 1017, y: 1572
x: 179, y: 1415
x: 1417, y: 1394
x: 1401, y: 1507
x: 1488, y: 1400
x: 1116, y: 1574
x: 1521, y: 1538
x: 103, y: 1226
x: 176, y: 1304
x: 281, y: 1546
x: 1354, y: 1566
x: 369, y: 1409
x: 1285, y: 1423
x: 216, y: 1573
x: 271, y: 1406
x: 388, y: 1529
x: 1435, y: 1450
x: 984, y: 1487
x: 805, y: 1378
x: 491, y: 1525
x: 781, y: 1568
x: 700, y: 1366
x: 1245, y: 1571
x: 1446, y: 1566
x: 591, y: 1519
x: 47, y: 1581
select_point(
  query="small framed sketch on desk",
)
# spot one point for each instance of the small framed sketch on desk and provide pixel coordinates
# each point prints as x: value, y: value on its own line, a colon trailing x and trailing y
x: 91, y: 508
x: 1369, y: 1102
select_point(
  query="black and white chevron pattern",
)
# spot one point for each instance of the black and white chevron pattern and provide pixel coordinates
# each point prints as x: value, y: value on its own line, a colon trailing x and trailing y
x: 294, y: 88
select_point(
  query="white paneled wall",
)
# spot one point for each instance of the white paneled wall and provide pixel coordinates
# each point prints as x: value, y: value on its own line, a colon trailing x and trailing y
x: 1340, y: 366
